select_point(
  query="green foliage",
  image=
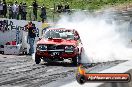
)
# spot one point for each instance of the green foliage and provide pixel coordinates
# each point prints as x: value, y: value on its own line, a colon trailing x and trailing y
x: 74, y: 4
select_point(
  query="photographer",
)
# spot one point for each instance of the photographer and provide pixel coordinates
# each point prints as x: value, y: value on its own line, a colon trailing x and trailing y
x: 30, y: 27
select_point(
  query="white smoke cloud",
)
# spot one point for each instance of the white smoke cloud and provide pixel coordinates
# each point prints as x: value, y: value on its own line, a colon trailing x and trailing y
x: 102, y: 40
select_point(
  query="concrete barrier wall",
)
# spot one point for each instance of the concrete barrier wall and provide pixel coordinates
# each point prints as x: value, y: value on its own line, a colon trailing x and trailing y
x: 8, y: 36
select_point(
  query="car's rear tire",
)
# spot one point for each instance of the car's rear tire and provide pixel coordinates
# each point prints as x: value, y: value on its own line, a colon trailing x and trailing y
x: 37, y: 59
x: 76, y: 60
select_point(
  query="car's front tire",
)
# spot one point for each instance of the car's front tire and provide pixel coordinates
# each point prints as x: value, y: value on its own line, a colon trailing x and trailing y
x: 37, y: 59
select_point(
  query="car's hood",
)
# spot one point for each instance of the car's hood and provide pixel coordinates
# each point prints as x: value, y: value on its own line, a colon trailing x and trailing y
x: 57, y: 41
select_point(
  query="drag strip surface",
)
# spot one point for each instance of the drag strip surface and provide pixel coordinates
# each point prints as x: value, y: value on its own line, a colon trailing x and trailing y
x: 21, y: 71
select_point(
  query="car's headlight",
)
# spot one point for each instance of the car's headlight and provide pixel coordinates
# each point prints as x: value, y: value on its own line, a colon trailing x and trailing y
x: 41, y: 47
x: 69, y: 48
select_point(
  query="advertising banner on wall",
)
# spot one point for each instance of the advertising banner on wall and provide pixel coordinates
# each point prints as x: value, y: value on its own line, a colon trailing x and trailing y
x: 15, y: 28
x: 13, y: 23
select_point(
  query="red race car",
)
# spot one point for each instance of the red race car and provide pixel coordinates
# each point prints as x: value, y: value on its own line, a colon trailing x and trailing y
x: 59, y: 44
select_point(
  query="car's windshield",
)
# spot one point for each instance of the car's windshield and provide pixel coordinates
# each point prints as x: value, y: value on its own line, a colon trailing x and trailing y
x: 59, y: 34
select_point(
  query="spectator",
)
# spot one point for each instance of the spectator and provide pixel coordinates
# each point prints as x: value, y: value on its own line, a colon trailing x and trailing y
x: 67, y: 8
x: 24, y: 12
x: 4, y: 8
x: 35, y: 8
x: 15, y: 10
x: 59, y: 8
x: 43, y: 13
x: 31, y: 36
x: 0, y: 25
x: 1, y: 9
x: 20, y: 10
x: 3, y: 26
x: 10, y: 11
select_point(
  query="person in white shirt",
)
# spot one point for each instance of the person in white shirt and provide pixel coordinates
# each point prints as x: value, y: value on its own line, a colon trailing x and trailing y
x: 15, y: 10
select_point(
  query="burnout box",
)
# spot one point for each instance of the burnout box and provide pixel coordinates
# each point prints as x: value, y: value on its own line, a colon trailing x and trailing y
x: 12, y: 49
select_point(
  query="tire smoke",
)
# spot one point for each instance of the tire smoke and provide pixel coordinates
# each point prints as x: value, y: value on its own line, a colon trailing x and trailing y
x: 103, y: 38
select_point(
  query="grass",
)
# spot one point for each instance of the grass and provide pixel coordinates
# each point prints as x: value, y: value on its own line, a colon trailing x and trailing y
x: 74, y: 4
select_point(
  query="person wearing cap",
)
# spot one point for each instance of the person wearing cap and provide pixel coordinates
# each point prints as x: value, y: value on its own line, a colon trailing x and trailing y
x: 31, y: 36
